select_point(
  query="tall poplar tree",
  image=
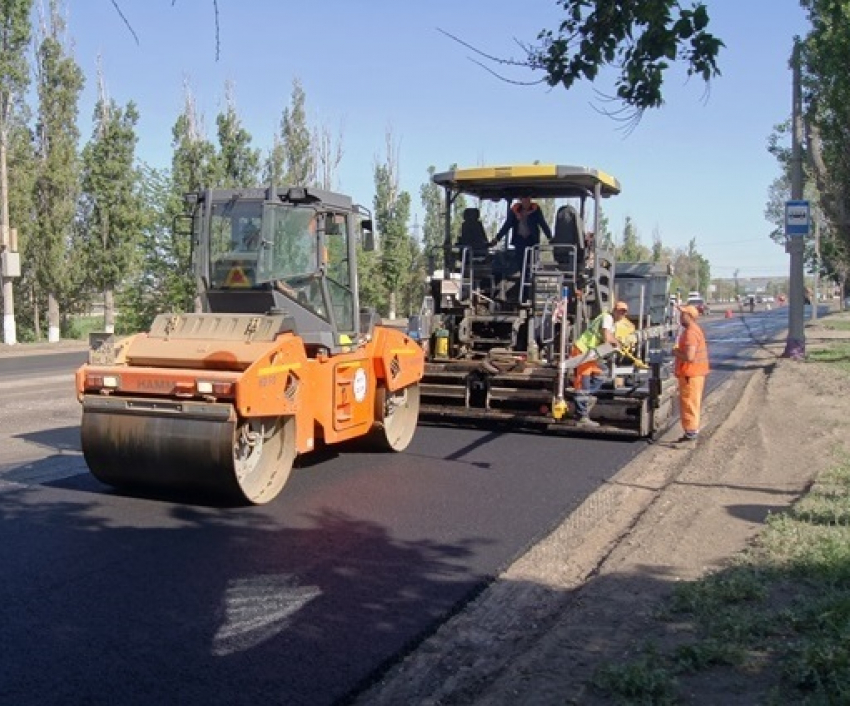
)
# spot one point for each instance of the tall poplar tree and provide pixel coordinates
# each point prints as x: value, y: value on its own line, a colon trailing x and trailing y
x: 392, y: 213
x: 292, y: 161
x: 632, y: 250
x: 161, y: 283
x: 14, y: 79
x: 433, y: 224
x: 194, y: 166
x: 194, y: 162
x: 111, y: 208
x: 327, y: 151
x: 22, y: 165
x: 240, y: 163
x: 60, y: 82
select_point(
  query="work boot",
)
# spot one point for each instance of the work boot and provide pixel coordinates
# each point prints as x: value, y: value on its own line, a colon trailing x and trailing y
x: 586, y: 422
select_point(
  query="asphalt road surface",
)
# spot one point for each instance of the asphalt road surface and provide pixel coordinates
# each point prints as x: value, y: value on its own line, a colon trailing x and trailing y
x: 113, y: 599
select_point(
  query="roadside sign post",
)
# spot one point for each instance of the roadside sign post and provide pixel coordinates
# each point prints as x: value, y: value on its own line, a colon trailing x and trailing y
x: 797, y: 226
x: 798, y: 219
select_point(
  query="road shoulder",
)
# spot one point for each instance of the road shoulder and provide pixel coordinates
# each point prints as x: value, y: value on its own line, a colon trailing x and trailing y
x: 587, y: 593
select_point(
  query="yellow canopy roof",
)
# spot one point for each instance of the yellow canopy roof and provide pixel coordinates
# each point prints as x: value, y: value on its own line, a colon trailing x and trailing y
x: 535, y: 180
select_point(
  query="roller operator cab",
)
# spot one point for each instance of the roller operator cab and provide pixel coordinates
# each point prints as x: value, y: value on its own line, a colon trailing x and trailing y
x: 499, y: 322
x: 281, y: 359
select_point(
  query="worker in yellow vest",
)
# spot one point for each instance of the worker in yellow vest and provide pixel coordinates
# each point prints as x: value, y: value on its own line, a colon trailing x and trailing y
x: 589, y: 376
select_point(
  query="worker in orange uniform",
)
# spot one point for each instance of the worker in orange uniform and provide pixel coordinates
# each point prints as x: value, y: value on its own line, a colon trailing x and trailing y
x: 691, y: 369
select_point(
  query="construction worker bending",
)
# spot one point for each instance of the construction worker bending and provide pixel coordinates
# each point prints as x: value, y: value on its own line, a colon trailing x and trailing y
x: 691, y: 369
x: 589, y: 376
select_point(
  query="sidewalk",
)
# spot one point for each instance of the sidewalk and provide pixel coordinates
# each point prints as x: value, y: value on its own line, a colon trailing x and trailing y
x: 64, y: 345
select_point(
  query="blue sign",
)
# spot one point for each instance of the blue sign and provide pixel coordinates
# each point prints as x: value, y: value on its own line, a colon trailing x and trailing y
x: 797, y: 218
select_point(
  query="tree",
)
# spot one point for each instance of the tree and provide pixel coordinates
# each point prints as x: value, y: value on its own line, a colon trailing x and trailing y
x: 111, y: 206
x: 657, y: 246
x: 194, y: 166
x: 299, y: 166
x: 14, y: 79
x: 240, y: 163
x: 392, y: 213
x: 604, y: 237
x: 700, y: 267
x: 194, y: 162
x: 328, y: 153
x: 22, y: 163
x: 434, y: 222
x: 60, y: 82
x: 162, y: 282
x: 640, y: 38
x: 632, y: 250
x: 825, y: 54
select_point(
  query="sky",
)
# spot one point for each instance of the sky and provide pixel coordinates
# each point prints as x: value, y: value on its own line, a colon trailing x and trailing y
x: 697, y: 169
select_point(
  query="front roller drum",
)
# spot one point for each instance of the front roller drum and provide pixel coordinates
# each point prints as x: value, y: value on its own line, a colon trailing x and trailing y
x: 188, y: 448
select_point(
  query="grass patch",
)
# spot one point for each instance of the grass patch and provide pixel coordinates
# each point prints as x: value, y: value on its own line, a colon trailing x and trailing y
x: 79, y: 327
x: 645, y: 680
x: 837, y: 324
x: 836, y: 354
x: 781, y: 613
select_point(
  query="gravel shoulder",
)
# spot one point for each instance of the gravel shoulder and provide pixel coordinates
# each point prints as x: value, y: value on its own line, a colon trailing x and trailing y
x: 586, y: 595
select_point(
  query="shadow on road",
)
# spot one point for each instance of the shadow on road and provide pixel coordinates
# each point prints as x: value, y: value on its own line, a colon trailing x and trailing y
x: 109, y: 600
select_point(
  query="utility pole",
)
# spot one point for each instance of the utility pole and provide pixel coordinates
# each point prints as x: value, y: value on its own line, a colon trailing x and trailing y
x: 795, y: 346
x: 9, y: 262
x: 816, y: 284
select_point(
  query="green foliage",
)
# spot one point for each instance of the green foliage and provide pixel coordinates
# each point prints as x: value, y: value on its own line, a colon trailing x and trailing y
x: 639, y: 38
x: 14, y: 40
x: 645, y: 680
x: 632, y: 250
x: 163, y: 281
x: 399, y: 260
x: 433, y: 225
x: 60, y: 81
x: 299, y: 164
x: 604, y: 237
x: 240, y: 163
x: 372, y: 293
x: 838, y: 355
x: 194, y: 163
x: 708, y: 653
x: 110, y: 205
x: 21, y: 163
x: 824, y: 55
x: 392, y: 213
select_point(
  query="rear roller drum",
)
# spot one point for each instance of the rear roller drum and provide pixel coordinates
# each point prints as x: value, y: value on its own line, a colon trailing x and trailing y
x: 396, y: 417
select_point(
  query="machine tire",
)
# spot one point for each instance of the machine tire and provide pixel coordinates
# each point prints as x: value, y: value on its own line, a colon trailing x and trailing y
x: 396, y: 417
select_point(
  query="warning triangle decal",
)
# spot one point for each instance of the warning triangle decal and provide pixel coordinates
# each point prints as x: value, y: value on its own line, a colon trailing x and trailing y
x: 236, y: 278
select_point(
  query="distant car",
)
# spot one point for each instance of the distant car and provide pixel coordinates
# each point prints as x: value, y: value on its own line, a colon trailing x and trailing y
x: 700, y: 304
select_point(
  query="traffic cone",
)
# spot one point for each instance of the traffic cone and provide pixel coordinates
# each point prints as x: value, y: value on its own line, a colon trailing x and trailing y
x: 728, y: 313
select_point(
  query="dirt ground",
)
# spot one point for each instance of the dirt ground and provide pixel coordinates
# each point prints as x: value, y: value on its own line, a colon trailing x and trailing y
x: 587, y: 594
